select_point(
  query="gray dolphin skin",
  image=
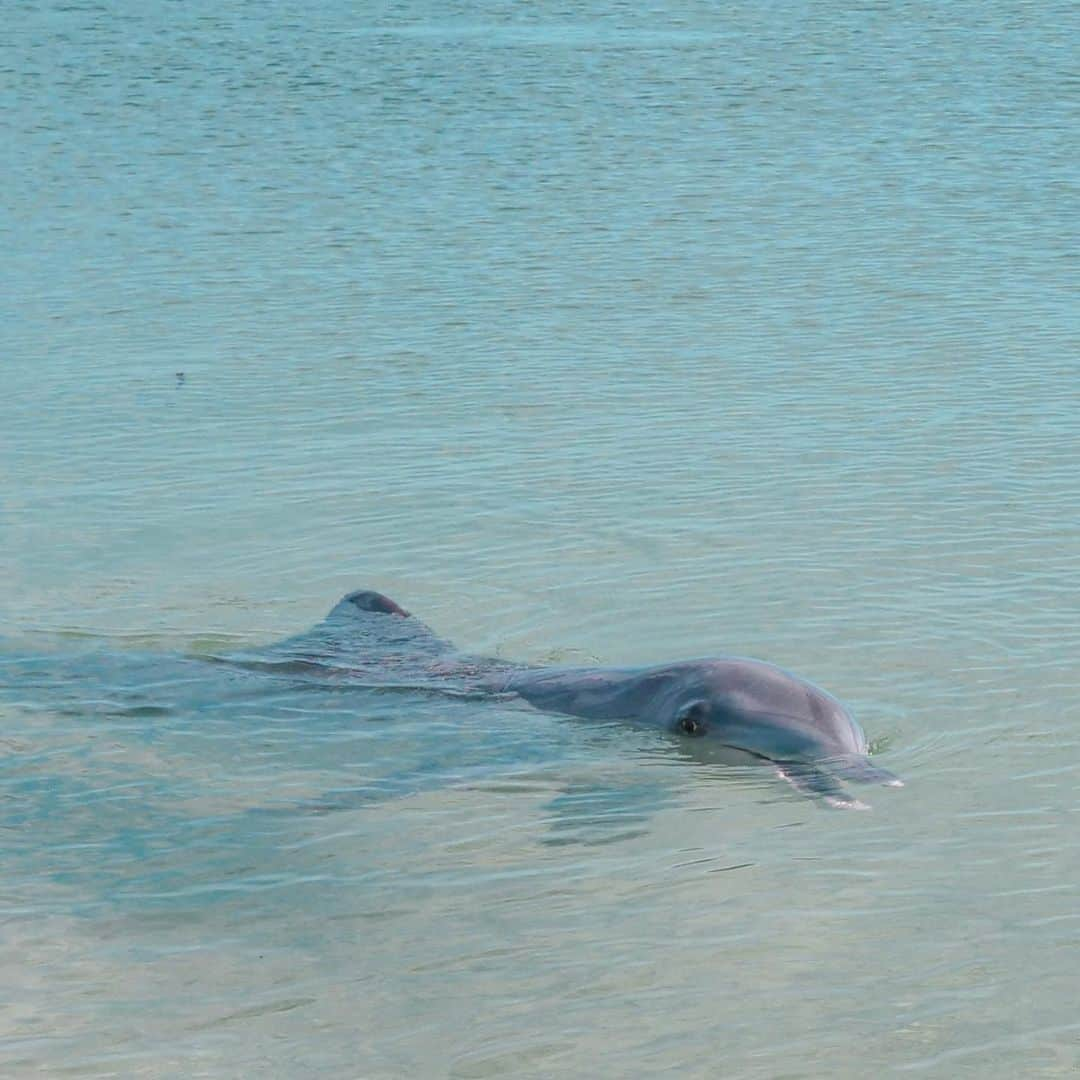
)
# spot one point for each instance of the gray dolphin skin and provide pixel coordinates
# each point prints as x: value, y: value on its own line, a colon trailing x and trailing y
x: 748, y: 710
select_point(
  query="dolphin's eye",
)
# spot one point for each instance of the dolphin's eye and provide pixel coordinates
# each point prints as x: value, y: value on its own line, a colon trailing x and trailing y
x: 691, y: 719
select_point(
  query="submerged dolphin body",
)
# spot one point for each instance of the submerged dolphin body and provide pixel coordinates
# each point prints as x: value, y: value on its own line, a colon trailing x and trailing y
x: 744, y: 709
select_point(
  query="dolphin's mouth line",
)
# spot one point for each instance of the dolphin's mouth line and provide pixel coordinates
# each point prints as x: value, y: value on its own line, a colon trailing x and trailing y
x: 751, y: 753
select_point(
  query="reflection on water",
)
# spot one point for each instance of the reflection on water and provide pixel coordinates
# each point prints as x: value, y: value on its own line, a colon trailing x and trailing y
x: 617, y: 336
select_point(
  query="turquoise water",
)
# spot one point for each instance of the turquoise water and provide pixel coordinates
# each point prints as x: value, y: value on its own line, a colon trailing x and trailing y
x: 605, y: 333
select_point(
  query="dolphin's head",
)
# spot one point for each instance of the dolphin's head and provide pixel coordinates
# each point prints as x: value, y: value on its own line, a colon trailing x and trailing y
x: 761, y: 709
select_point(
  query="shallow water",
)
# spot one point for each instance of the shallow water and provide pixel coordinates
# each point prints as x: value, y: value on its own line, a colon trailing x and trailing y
x: 612, y: 335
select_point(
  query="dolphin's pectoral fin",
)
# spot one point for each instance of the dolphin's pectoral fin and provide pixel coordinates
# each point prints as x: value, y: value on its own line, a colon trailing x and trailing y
x: 818, y: 784
x: 592, y: 814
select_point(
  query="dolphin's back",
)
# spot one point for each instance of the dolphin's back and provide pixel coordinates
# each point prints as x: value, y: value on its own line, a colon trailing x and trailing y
x: 591, y: 693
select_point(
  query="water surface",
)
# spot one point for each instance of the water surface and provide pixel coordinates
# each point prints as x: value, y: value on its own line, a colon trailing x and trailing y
x: 616, y: 334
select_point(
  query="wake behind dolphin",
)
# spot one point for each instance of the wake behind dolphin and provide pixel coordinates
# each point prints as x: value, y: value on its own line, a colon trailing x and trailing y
x: 746, y: 709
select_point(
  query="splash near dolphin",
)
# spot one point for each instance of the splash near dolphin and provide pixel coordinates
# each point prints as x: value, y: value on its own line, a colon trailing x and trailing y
x: 750, y: 710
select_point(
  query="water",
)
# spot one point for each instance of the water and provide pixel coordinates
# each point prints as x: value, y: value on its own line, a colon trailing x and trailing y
x: 608, y: 333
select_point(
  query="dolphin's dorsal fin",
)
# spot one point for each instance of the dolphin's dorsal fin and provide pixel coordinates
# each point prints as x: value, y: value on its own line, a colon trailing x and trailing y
x: 364, y: 627
x: 377, y: 602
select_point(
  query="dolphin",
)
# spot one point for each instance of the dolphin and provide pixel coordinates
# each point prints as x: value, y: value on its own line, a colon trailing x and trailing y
x: 744, y: 709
